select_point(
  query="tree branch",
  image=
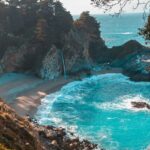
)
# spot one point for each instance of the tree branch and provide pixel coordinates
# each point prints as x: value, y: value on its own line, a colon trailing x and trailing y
x: 107, y: 5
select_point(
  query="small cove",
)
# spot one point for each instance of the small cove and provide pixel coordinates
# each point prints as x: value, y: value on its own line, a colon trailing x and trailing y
x: 99, y: 109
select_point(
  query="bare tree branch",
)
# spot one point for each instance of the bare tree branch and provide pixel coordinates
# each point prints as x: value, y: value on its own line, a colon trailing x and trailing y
x: 107, y: 5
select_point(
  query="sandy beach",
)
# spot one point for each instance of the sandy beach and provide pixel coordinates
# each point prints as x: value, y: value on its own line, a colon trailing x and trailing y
x: 24, y: 93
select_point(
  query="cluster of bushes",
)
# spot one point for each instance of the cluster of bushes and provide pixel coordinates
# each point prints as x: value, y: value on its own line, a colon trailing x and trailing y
x: 32, y: 21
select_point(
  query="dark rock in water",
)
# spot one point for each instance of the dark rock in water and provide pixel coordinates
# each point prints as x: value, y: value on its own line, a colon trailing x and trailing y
x: 137, y: 76
x: 130, y: 47
x: 140, y: 105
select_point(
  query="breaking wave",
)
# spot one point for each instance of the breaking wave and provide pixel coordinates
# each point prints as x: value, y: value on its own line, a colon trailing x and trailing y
x: 99, y: 108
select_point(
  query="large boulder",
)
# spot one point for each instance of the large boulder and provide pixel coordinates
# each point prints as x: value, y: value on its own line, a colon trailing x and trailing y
x: 132, y: 46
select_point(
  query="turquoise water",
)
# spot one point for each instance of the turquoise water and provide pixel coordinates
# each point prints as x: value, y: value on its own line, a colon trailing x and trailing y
x: 99, y: 109
x: 118, y: 30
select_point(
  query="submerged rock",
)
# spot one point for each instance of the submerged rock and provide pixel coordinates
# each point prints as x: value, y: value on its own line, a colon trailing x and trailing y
x: 140, y: 105
x: 21, y: 134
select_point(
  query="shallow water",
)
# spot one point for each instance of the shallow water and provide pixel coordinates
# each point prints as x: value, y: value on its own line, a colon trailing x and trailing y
x: 98, y: 108
x: 118, y: 30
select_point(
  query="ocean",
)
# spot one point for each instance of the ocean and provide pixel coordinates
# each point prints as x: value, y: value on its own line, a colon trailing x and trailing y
x: 99, y: 108
x: 116, y: 30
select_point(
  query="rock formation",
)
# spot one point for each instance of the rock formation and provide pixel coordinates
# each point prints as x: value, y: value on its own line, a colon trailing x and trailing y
x: 55, y: 45
x: 51, y: 64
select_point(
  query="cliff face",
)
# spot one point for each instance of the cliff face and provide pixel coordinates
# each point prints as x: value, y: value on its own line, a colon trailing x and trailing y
x: 54, y: 47
x: 21, y: 134
x: 80, y: 51
x: 71, y: 58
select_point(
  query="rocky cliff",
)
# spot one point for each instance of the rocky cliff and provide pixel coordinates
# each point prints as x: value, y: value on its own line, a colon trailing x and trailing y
x: 77, y: 53
x: 68, y: 51
x: 54, y: 44
x: 18, y: 133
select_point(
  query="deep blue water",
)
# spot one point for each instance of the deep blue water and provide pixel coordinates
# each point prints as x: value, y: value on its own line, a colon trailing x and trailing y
x: 99, y: 109
x: 120, y: 29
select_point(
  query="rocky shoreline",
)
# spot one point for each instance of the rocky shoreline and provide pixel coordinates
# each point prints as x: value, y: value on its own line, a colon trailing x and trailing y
x: 23, y: 134
x: 54, y: 45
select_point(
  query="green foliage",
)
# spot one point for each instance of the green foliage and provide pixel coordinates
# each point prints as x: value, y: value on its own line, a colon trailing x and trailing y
x: 88, y: 24
x: 145, y: 31
x: 62, y: 23
x: 34, y: 22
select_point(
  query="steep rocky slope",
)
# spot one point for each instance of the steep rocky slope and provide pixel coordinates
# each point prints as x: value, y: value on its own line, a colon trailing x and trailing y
x: 18, y: 133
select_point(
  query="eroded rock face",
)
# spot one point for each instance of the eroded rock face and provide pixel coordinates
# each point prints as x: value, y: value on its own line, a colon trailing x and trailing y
x: 76, y: 55
x: 22, y: 134
x: 12, y: 59
x: 18, y: 59
x: 76, y: 52
x: 52, y: 64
